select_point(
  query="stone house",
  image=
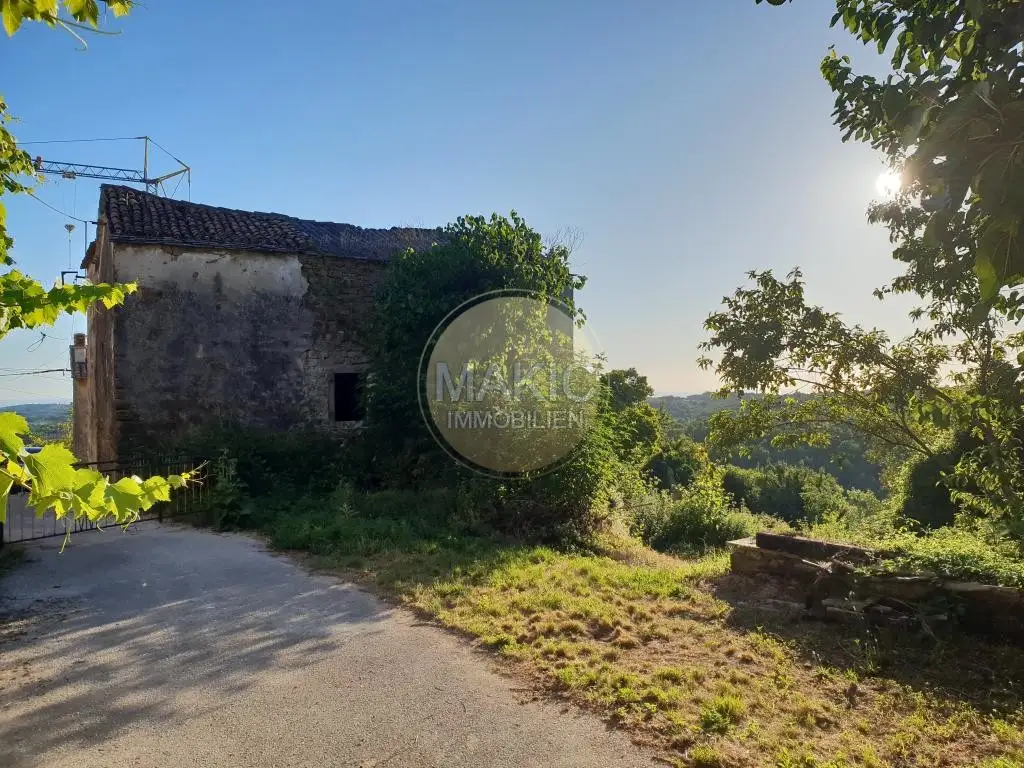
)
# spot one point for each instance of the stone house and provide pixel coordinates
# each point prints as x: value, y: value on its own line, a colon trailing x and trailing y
x: 240, y: 318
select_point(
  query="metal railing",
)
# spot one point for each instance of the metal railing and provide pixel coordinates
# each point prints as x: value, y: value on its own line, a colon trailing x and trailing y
x: 24, y: 524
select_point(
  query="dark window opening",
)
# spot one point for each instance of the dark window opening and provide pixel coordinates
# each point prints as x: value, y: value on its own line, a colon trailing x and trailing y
x: 348, y: 397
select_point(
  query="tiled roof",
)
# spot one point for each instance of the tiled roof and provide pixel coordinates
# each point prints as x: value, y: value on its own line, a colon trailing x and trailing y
x: 141, y: 217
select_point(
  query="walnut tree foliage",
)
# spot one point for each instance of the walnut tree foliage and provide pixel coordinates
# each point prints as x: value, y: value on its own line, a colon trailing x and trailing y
x: 51, y: 477
x: 951, y: 118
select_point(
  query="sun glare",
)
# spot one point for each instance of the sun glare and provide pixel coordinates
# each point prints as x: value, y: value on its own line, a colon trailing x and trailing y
x: 888, y: 184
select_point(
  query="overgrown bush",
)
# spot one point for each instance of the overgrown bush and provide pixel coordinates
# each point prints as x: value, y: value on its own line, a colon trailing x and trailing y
x: 793, y: 494
x: 968, y: 553
x: 224, y: 506
x: 865, y: 520
x: 269, y: 463
x: 677, y: 463
x: 920, y: 488
x: 699, y: 520
x: 473, y: 256
x: 742, y: 486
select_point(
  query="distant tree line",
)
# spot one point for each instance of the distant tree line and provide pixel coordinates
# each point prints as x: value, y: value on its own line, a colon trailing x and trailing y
x: 845, y: 457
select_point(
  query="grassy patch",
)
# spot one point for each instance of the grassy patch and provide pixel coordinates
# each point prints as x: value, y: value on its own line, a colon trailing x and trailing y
x: 700, y: 664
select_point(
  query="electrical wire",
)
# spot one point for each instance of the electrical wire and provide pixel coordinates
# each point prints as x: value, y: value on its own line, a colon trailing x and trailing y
x: 57, y: 210
x: 79, y: 141
x: 177, y: 160
x: 36, y: 373
x: 42, y: 337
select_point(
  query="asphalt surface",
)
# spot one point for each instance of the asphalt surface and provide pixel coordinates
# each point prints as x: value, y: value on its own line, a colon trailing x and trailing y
x: 176, y: 647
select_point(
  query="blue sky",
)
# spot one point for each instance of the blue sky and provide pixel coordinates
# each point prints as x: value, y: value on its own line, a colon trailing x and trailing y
x: 687, y: 142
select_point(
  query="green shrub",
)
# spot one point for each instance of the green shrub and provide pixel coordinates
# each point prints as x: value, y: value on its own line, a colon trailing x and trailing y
x: 919, y: 489
x: 568, y: 504
x: 474, y: 256
x: 224, y: 505
x: 677, y: 463
x: 742, y: 486
x: 721, y: 713
x: 867, y: 521
x: 269, y: 463
x: 699, y: 520
x: 793, y: 494
x: 822, y: 497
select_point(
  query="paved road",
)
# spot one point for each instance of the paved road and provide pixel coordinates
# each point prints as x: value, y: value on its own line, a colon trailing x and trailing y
x: 177, y: 647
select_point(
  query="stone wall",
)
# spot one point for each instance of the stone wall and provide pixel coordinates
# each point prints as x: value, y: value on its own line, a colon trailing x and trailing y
x: 225, y: 337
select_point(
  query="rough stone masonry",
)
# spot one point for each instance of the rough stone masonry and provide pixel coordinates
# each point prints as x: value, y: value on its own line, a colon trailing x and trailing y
x: 240, y: 318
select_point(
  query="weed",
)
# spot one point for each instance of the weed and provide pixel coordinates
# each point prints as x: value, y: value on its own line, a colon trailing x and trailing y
x: 721, y: 713
x: 706, y: 756
x: 1006, y: 733
x: 670, y: 675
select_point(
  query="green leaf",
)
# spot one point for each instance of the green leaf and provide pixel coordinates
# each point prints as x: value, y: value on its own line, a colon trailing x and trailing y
x: 935, y: 230
x: 51, y: 469
x: 157, y: 488
x: 86, y: 11
x: 12, y: 17
x: 11, y: 426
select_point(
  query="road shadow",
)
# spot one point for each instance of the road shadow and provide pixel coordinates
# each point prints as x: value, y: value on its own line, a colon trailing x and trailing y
x: 124, y: 628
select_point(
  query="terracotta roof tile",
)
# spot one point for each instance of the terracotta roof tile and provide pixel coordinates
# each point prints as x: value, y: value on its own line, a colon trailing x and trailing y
x: 140, y: 217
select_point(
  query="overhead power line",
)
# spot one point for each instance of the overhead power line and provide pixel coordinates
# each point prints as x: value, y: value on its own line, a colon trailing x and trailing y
x: 58, y: 210
x: 80, y: 141
x: 36, y: 373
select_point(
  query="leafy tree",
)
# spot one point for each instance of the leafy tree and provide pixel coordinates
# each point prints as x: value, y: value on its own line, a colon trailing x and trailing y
x: 844, y: 458
x: 473, y: 256
x: 677, y: 463
x: 637, y: 427
x: 50, y: 475
x: 637, y: 431
x: 627, y: 388
x: 950, y: 117
x: 792, y: 494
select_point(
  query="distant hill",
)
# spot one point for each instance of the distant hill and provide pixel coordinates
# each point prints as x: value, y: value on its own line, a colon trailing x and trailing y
x: 694, y: 407
x: 845, y: 459
x: 39, y: 412
x: 49, y: 422
x: 699, y: 407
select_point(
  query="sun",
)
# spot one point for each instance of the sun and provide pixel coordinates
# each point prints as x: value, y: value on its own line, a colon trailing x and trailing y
x: 888, y: 184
